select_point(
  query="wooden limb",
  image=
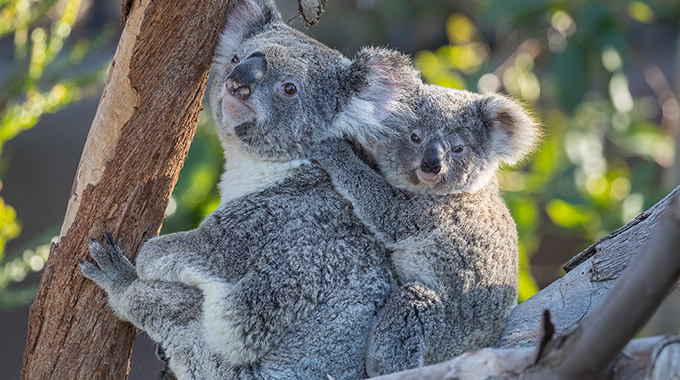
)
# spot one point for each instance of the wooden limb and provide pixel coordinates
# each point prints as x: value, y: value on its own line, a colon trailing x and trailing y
x: 664, y: 363
x: 505, y: 363
x: 613, y: 252
x: 587, y: 350
x: 590, y: 277
x: 311, y: 11
x: 139, y: 137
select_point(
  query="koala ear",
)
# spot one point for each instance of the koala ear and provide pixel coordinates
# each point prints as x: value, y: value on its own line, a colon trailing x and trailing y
x: 513, y: 131
x: 379, y: 84
x: 245, y: 17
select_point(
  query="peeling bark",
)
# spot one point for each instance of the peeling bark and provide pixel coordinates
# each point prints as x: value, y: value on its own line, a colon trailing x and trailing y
x: 587, y: 349
x: 505, y: 363
x: 614, y: 251
x: 591, y: 275
x: 311, y: 11
x: 139, y: 137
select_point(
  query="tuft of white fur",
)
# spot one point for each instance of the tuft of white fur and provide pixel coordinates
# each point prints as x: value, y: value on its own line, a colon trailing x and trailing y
x: 240, y: 18
x: 387, y: 75
x: 245, y: 174
x: 225, y: 337
x: 359, y: 120
x: 514, y: 132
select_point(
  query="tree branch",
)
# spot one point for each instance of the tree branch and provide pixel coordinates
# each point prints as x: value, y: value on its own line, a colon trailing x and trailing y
x: 504, y: 363
x: 589, y: 349
x: 590, y: 278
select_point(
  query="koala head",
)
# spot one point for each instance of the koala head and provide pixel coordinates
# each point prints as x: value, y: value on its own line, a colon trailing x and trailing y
x: 280, y: 92
x: 456, y: 141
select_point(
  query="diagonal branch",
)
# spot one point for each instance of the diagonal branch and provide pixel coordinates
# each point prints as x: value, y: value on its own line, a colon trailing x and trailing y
x: 587, y: 350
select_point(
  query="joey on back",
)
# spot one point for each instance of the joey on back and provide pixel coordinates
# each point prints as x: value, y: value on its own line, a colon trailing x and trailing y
x: 290, y: 279
x: 436, y: 206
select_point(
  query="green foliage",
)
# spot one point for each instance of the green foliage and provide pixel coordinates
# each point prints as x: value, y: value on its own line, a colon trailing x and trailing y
x: 602, y: 147
x: 196, y: 193
x: 42, y: 81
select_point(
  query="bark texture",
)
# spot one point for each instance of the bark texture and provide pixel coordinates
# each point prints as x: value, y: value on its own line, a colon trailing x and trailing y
x: 591, y: 275
x: 139, y: 137
x: 646, y: 358
x: 587, y: 349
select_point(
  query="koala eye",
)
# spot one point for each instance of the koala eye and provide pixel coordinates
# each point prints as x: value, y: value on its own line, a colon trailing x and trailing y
x: 235, y: 60
x: 458, y: 149
x: 289, y: 88
x: 415, y: 138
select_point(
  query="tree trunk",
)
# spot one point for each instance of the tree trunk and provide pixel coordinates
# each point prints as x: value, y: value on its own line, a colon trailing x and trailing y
x: 139, y: 137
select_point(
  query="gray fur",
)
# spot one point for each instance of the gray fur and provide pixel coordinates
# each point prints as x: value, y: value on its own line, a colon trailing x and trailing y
x: 453, y: 241
x: 290, y: 279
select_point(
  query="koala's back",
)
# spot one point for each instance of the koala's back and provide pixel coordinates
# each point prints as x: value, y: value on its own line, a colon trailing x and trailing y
x: 468, y: 253
x: 300, y: 233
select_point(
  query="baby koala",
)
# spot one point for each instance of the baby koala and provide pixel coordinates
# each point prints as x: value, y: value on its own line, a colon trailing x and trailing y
x: 437, y: 208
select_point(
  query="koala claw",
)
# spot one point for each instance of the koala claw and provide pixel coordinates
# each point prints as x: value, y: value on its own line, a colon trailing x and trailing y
x: 109, y: 239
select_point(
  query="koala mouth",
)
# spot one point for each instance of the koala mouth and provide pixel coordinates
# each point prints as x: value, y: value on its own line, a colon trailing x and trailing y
x: 427, y: 178
x: 236, y: 112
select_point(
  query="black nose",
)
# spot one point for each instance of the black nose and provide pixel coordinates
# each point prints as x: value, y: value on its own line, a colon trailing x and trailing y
x: 246, y: 75
x: 433, y: 158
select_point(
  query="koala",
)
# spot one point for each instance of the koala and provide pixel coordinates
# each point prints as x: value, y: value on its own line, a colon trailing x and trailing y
x: 282, y: 280
x: 437, y: 208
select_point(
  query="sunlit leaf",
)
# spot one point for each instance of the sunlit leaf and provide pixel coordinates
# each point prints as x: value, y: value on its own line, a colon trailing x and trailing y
x: 566, y: 215
x: 460, y: 29
x: 639, y: 11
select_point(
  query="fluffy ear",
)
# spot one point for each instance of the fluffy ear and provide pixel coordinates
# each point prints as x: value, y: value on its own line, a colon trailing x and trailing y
x: 379, y: 84
x: 245, y: 17
x: 514, y: 132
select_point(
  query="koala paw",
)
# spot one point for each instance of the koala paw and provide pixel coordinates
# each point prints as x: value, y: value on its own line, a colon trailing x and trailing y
x: 114, y: 270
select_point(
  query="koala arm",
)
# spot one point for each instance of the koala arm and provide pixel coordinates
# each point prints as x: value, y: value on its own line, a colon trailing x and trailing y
x: 164, y: 310
x: 379, y: 205
x: 178, y: 257
x: 408, y: 326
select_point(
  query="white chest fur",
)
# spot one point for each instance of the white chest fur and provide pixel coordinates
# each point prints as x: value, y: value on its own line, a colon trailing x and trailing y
x: 244, y: 174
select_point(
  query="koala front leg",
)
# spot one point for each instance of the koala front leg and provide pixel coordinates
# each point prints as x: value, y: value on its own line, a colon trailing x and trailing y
x: 407, y: 327
x: 177, y: 257
x: 375, y: 201
x: 161, y: 309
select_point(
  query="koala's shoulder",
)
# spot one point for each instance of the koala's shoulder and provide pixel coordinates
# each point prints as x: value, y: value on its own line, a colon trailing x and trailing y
x: 305, y: 193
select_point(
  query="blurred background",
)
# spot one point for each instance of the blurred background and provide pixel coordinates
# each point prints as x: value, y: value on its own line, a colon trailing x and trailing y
x: 603, y: 77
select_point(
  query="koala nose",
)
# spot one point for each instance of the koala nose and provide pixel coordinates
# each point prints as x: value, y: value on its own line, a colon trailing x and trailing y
x: 244, y: 78
x: 433, y: 158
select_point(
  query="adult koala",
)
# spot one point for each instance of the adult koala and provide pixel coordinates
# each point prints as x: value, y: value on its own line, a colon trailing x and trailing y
x: 291, y: 279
